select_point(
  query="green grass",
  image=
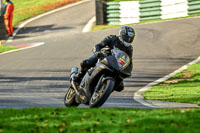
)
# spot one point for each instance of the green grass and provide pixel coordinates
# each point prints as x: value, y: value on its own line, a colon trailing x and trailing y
x: 110, y: 120
x: 183, y: 87
x: 25, y: 9
x: 6, y: 48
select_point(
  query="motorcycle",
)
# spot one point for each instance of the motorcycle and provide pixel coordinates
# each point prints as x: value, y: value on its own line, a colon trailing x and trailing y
x: 99, y: 81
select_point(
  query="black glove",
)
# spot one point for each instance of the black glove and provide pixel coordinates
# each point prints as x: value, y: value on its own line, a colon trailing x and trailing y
x: 99, y: 54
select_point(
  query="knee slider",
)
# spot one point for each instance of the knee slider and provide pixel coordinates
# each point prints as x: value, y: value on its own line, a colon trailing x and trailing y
x: 120, y: 87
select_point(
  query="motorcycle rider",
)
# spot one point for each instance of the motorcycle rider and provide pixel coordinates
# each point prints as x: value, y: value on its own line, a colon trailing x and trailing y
x: 122, y: 42
x: 8, y: 17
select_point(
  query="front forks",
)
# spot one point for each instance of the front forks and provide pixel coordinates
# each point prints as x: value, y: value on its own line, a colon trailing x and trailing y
x: 98, y: 87
x: 74, y: 71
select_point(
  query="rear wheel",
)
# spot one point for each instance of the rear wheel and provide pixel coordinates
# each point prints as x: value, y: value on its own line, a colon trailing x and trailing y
x: 99, y: 97
x: 69, y: 99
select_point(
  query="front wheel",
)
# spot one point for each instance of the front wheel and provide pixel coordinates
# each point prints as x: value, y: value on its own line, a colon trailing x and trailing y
x: 69, y: 99
x: 99, y: 97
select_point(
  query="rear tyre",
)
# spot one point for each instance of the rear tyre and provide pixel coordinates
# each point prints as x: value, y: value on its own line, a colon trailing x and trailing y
x: 69, y: 99
x: 98, y: 98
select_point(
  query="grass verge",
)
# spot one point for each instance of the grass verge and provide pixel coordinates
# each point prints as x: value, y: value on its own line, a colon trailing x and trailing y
x: 183, y: 87
x: 104, y: 120
x: 6, y: 48
x: 25, y: 9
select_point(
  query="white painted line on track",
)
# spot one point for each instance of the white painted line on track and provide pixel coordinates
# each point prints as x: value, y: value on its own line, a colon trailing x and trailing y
x: 138, y: 95
x: 33, y: 45
x: 89, y: 25
x: 10, y: 39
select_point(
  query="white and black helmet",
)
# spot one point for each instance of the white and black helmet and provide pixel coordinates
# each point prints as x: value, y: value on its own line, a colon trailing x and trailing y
x: 126, y: 35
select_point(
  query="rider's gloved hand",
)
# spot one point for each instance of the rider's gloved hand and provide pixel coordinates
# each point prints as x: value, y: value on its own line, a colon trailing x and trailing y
x: 99, y: 54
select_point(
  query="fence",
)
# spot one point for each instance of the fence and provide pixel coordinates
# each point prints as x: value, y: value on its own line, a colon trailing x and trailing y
x: 126, y: 12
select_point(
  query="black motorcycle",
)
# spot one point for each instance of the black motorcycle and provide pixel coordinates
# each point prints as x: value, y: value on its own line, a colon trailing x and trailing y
x: 99, y: 81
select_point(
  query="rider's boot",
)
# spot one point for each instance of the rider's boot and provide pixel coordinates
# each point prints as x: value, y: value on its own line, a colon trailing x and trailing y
x: 82, y: 72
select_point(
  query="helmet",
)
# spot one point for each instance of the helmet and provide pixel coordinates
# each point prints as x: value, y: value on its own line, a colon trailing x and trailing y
x: 126, y: 35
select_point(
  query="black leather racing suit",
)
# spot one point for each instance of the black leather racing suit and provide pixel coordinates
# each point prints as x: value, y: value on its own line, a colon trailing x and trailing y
x: 110, y: 41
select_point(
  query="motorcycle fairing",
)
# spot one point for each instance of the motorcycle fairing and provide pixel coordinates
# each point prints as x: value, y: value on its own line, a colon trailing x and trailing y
x: 119, y: 62
x: 110, y: 62
x: 91, y: 79
x: 123, y: 62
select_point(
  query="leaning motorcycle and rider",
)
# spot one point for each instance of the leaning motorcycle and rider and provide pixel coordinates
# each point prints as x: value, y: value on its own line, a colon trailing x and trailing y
x: 122, y: 42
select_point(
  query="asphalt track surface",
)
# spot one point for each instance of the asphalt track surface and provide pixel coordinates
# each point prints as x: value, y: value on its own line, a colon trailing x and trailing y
x: 38, y: 77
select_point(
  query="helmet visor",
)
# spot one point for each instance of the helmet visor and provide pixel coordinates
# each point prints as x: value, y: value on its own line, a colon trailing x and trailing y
x: 128, y: 39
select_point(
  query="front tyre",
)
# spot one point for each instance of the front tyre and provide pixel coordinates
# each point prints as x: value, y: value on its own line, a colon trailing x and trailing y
x: 69, y: 99
x: 99, y: 97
